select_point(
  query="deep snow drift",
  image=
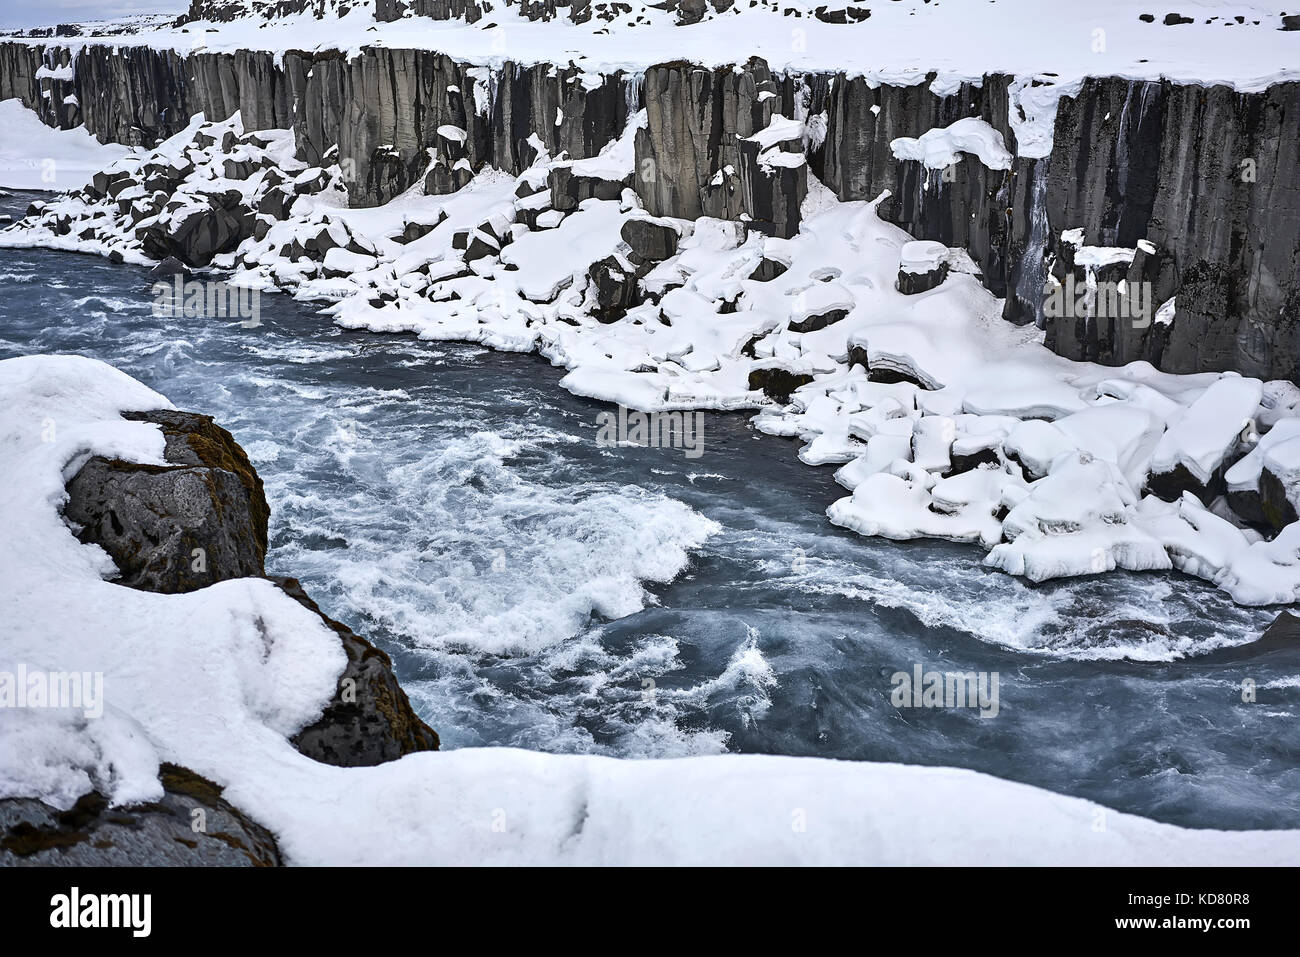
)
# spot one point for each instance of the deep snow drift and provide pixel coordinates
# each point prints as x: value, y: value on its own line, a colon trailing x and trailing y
x: 216, y: 679
x: 35, y: 156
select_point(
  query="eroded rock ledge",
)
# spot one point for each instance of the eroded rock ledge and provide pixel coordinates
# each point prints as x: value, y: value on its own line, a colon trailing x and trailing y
x: 177, y: 528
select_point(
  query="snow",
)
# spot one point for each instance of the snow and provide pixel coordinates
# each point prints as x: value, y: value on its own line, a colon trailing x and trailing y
x: 35, y: 156
x: 940, y: 148
x: 1055, y: 40
x: 1066, y: 448
x: 218, y: 679
x: 54, y: 73
x: 1207, y: 432
x: 922, y: 256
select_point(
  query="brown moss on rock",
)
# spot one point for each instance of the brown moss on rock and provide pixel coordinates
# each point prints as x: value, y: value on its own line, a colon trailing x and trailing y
x: 370, y: 719
x: 164, y: 832
x: 176, y: 528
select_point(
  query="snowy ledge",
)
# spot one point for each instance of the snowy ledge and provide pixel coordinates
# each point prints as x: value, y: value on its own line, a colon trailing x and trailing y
x: 217, y: 680
x: 1057, y: 41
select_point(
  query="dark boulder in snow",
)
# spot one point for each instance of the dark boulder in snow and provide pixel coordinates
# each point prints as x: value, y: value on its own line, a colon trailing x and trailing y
x: 768, y: 269
x: 203, y: 519
x: 198, y: 236
x: 821, y: 320
x: 370, y: 719
x: 777, y: 383
x: 181, y: 527
x: 277, y: 202
x: 1275, y: 506
x: 160, y: 833
x: 615, y: 285
x: 922, y: 266
x: 570, y: 190
x: 651, y: 240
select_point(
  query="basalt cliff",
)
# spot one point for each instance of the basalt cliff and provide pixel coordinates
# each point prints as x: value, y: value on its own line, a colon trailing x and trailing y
x: 1200, y: 182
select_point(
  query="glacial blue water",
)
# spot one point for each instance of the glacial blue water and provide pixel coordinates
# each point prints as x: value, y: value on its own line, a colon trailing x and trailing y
x: 538, y: 590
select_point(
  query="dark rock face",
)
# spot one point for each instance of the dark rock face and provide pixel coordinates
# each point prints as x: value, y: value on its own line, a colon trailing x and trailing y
x: 166, y: 833
x: 179, y: 528
x: 776, y: 383
x: 651, y: 240
x: 1113, y: 336
x: 692, y: 159
x: 1205, y: 174
x: 1201, y: 174
x: 409, y: 96
x: 370, y: 719
x: 967, y: 205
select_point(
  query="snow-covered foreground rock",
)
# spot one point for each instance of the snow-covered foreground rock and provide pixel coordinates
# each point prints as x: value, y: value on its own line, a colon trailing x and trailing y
x: 218, y: 679
x: 946, y: 421
x: 34, y: 156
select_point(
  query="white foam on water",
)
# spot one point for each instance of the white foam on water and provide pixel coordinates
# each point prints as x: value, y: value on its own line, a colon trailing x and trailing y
x: 453, y: 547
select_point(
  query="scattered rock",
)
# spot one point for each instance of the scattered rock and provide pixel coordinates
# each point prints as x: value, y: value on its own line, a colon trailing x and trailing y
x: 651, y: 240
x: 171, y: 266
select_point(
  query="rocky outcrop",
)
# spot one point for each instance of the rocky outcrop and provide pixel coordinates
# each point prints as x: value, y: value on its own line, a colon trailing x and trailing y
x: 1208, y: 176
x: 176, y: 528
x: 198, y: 520
x: 191, y: 825
x: 203, y: 519
x: 370, y: 720
x: 427, y: 113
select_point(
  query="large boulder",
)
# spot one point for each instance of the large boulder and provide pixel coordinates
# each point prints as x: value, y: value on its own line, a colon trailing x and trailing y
x: 198, y: 236
x: 922, y: 266
x: 652, y: 240
x: 176, y: 528
x: 202, y: 519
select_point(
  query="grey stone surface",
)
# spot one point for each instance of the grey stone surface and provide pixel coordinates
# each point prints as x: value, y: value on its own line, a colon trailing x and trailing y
x: 178, y: 528
x: 167, y: 832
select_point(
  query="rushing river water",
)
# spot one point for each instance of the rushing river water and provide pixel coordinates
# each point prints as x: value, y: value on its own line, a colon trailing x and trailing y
x: 539, y: 590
